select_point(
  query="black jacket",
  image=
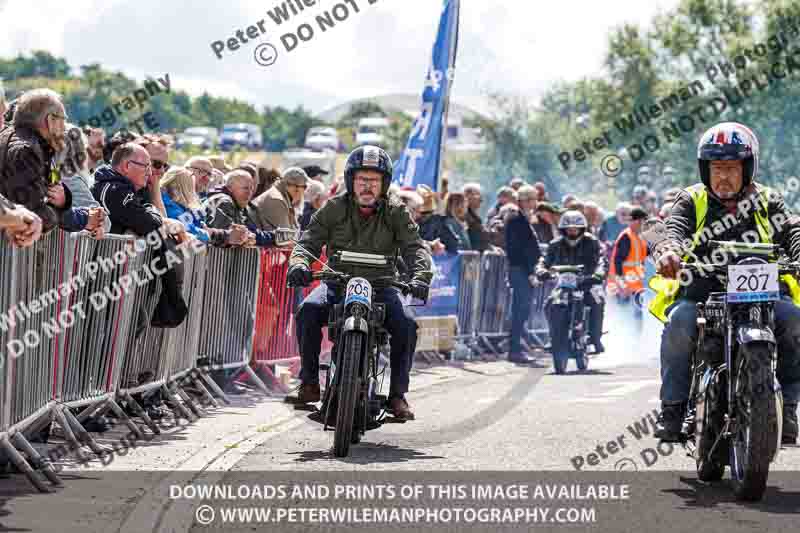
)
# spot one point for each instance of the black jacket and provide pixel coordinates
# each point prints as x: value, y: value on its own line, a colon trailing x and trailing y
x: 124, y: 206
x: 522, y: 246
x: 432, y: 227
x: 719, y: 226
x: 222, y: 211
x: 478, y: 236
x: 305, y: 218
x: 586, y: 253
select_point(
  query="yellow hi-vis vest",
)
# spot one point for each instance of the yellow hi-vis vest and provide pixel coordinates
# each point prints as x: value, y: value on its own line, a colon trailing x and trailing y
x: 667, y: 289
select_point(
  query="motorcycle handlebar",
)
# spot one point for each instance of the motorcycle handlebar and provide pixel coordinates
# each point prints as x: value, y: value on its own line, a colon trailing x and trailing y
x: 380, y: 282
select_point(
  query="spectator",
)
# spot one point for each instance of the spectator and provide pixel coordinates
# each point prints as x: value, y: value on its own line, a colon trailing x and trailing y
x: 201, y: 172
x: 541, y: 191
x: 594, y: 216
x: 3, y: 107
x: 639, y: 195
x: 217, y: 180
x: 251, y: 168
x: 651, y: 204
x: 315, y: 197
x: 157, y: 147
x: 276, y: 207
x: 522, y: 251
x: 266, y: 179
x: 441, y: 197
x: 315, y: 172
x: 337, y: 185
x: 414, y: 202
x: 615, y: 224
x: 478, y: 236
x: 20, y: 226
x: 96, y: 140
x: 28, y: 173
x: 227, y: 208
x: 118, y: 139
x: 567, y: 200
x: 546, y: 222
x: 182, y: 203
x: 116, y: 188
x: 516, y: 183
x: 505, y: 195
x: 218, y: 162
x: 74, y: 170
x: 456, y: 222
x: 431, y: 224
x: 497, y: 225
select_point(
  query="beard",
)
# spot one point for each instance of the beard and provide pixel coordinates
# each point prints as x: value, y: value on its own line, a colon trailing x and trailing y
x: 57, y: 142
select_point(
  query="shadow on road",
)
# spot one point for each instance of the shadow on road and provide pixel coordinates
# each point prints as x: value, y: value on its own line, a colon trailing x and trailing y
x: 366, y: 453
x: 701, y: 495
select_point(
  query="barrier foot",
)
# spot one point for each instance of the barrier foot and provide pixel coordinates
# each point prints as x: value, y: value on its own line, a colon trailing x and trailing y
x: 69, y: 436
x: 22, y: 465
x: 141, y: 413
x: 39, y: 462
x: 178, y: 406
x: 89, y: 412
x: 125, y: 418
x: 196, y: 409
x: 39, y: 424
x: 207, y: 396
x: 214, y: 387
x: 260, y: 384
x: 84, y: 435
x: 486, y: 343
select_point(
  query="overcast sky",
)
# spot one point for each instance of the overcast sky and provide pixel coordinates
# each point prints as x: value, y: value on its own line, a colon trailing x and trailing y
x: 518, y: 46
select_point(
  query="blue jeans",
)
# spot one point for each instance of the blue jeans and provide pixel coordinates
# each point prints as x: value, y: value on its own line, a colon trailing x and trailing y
x: 312, y: 316
x: 520, y: 306
x: 680, y: 338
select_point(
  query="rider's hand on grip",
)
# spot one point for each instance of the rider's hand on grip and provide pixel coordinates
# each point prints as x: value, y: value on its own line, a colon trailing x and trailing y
x: 669, y: 265
x: 419, y: 290
x: 543, y: 274
x: 299, y: 276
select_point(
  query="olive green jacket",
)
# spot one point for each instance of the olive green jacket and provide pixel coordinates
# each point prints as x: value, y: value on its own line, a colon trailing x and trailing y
x: 340, y: 226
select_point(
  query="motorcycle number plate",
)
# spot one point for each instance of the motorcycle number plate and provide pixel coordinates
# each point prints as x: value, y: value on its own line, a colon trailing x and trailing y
x: 567, y: 280
x: 358, y: 290
x: 752, y: 283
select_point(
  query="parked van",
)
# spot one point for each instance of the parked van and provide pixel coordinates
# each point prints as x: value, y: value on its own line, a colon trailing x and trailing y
x: 247, y: 136
x: 372, y: 131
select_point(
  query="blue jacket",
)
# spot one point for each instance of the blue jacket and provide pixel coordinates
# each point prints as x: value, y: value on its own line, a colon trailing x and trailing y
x: 174, y: 210
x: 522, y: 246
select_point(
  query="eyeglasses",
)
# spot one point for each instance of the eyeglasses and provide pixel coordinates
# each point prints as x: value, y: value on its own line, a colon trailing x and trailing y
x: 59, y: 116
x: 368, y: 181
x: 298, y: 186
x: 160, y: 165
x: 202, y: 171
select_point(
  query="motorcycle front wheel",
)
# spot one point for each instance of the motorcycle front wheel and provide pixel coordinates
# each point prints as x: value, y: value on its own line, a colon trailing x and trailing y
x: 756, y: 422
x: 347, y: 396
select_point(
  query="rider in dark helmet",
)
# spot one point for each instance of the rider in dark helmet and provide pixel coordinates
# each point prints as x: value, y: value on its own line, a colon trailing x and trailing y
x: 729, y: 205
x: 363, y: 219
x: 575, y: 246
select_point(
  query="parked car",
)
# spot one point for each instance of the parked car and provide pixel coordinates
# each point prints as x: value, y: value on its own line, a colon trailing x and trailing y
x: 205, y: 138
x: 371, y: 131
x: 321, y: 138
x: 247, y: 136
x: 303, y: 157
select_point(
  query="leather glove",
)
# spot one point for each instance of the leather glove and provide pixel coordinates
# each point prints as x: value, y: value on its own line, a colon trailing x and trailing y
x: 543, y: 275
x: 419, y: 290
x: 298, y: 276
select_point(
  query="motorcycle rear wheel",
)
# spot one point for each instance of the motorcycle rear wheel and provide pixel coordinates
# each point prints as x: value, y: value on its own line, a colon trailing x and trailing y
x: 347, y: 395
x: 757, y: 423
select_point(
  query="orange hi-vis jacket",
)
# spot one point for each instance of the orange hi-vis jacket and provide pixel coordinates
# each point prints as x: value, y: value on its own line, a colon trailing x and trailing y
x: 632, y: 275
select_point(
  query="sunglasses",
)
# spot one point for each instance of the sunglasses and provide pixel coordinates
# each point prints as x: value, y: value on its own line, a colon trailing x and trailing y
x: 202, y: 171
x: 160, y: 165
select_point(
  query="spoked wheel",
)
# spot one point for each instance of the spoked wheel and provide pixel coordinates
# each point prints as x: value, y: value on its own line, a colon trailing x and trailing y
x: 756, y: 422
x: 347, y: 396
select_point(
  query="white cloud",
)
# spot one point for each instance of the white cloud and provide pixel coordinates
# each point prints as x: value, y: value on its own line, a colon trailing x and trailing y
x: 519, y: 46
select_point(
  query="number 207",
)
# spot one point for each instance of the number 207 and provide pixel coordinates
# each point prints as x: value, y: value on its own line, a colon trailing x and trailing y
x: 752, y: 282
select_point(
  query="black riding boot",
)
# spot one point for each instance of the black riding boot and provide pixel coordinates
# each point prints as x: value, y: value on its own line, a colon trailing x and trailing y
x: 670, y: 422
x: 789, y: 423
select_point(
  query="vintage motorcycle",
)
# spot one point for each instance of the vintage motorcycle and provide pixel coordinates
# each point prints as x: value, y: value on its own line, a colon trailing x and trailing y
x: 571, y: 285
x: 735, y: 409
x: 352, y: 402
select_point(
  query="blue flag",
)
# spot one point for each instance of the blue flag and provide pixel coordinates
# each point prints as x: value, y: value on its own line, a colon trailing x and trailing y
x: 420, y: 162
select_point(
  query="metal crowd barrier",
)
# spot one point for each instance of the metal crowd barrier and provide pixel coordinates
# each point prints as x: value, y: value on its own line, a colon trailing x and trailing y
x: 495, y: 298
x: 230, y: 299
x: 469, y: 295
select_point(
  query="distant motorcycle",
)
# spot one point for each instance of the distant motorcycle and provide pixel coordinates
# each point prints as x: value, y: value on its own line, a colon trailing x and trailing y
x: 570, y: 288
x: 735, y: 406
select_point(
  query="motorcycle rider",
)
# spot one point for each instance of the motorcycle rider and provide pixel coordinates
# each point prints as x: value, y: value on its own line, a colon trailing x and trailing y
x: 364, y: 219
x: 575, y: 246
x: 727, y: 156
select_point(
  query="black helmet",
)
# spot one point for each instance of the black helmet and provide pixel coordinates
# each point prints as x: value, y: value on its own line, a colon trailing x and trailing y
x: 368, y: 158
x: 729, y: 141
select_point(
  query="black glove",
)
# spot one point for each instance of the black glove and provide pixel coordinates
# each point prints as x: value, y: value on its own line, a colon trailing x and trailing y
x: 543, y: 275
x: 419, y: 290
x: 298, y: 276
